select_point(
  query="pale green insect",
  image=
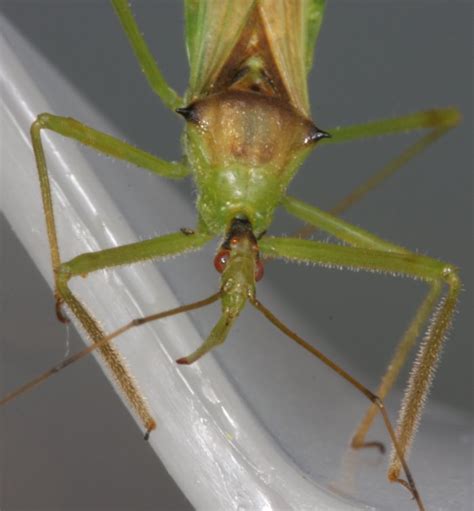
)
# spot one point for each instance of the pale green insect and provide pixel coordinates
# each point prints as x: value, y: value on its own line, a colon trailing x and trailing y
x: 241, y: 179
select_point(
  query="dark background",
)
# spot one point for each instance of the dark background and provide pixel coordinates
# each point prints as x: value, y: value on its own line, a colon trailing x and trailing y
x: 374, y: 59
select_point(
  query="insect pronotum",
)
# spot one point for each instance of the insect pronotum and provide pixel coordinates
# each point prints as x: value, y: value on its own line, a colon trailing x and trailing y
x: 244, y: 76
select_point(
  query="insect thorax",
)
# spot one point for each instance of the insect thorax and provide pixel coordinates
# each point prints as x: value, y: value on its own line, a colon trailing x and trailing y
x: 248, y: 128
x: 244, y: 148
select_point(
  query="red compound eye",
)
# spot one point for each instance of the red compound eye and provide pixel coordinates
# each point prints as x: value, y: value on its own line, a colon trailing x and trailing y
x: 259, y: 271
x: 221, y: 259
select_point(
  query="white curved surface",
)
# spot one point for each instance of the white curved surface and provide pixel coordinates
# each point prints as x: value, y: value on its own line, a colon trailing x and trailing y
x: 216, y: 450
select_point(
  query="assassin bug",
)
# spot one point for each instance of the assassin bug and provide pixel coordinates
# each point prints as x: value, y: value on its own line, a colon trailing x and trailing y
x: 238, y: 225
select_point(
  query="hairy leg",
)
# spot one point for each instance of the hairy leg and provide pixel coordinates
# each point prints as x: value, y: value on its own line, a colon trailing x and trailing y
x: 436, y: 273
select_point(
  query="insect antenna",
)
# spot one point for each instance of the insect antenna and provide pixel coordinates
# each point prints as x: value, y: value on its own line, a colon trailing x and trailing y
x: 409, y: 484
x: 105, y: 340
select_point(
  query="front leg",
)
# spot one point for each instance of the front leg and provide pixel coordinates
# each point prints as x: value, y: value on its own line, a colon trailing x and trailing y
x: 361, y: 238
x: 434, y: 272
x: 171, y: 244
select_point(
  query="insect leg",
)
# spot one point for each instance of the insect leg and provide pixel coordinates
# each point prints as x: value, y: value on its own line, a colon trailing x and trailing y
x: 442, y: 118
x: 439, y: 122
x: 337, y: 227
x: 104, y: 143
x: 161, y: 246
x: 83, y: 264
x: 403, y: 349
x: 171, y: 244
x: 360, y: 238
x: 147, y: 63
x: 416, y: 266
x: 101, y: 142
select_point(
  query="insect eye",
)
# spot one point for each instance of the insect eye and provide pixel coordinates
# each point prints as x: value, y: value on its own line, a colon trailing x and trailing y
x: 221, y: 260
x: 259, y: 271
x: 234, y: 240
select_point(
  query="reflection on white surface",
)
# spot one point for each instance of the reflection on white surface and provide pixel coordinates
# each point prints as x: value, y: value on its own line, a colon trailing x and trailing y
x: 77, y: 186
